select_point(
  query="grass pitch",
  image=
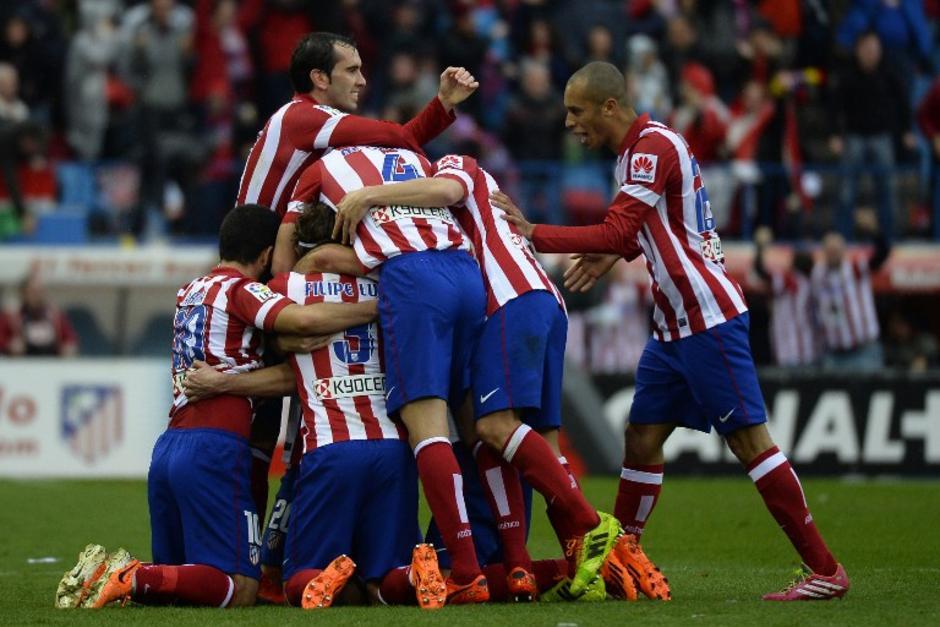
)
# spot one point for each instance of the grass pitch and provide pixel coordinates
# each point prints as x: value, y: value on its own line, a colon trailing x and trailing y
x: 720, y: 549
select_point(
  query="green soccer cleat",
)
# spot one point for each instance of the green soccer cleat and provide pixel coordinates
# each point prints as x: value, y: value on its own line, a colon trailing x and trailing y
x: 561, y: 592
x: 73, y: 588
x: 115, y: 582
x: 596, y: 545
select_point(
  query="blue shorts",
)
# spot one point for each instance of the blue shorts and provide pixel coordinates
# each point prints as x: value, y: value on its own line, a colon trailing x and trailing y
x: 275, y: 534
x: 359, y: 498
x: 201, y: 510
x: 702, y: 381
x: 482, y: 524
x: 431, y: 307
x: 520, y: 359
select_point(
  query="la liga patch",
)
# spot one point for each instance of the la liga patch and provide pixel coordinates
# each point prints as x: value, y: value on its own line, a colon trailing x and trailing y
x: 643, y: 167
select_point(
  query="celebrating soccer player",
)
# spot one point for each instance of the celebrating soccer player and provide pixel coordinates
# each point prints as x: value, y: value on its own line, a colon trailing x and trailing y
x: 697, y: 371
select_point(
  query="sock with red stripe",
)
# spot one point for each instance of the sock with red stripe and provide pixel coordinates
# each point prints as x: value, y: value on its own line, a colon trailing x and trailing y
x: 196, y: 584
x: 547, y: 574
x: 503, y: 490
x: 533, y: 457
x: 294, y: 588
x: 396, y: 588
x: 782, y: 493
x: 443, y: 488
x: 637, y: 494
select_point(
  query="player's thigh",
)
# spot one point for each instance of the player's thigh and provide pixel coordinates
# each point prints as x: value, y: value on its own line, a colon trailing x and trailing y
x: 212, y: 481
x: 548, y: 416
x: 721, y: 374
x: 509, y: 363
x: 387, y: 523
x: 166, y: 525
x: 327, y: 497
x: 471, y: 315
x: 661, y: 394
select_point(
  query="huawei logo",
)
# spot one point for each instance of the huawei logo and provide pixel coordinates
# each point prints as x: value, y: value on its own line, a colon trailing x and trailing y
x: 643, y: 164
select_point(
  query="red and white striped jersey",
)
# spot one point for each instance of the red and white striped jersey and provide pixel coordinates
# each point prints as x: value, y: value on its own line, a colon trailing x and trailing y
x: 384, y: 231
x: 845, y: 304
x: 794, y: 333
x: 298, y: 133
x: 663, y: 206
x: 342, y: 385
x: 218, y: 317
x: 506, y: 258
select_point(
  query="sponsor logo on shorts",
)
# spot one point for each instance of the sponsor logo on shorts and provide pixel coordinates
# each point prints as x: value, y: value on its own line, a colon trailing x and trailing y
x: 384, y: 215
x: 349, y: 386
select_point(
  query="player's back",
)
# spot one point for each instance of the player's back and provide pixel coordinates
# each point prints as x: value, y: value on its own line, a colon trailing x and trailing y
x: 341, y: 385
x: 389, y: 231
x: 506, y: 258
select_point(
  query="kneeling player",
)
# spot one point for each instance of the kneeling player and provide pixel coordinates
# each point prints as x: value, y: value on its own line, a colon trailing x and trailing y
x: 205, y: 536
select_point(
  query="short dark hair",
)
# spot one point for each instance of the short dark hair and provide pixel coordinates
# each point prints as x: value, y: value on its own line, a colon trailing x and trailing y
x: 601, y: 80
x: 314, y: 52
x: 246, y: 232
x: 314, y: 226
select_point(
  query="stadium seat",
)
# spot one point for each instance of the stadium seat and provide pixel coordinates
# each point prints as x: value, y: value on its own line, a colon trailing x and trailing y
x: 77, y: 187
x: 91, y: 339
x: 61, y: 227
x: 155, y: 339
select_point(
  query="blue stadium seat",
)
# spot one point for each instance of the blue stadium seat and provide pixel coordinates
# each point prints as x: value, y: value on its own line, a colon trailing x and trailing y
x: 61, y: 227
x: 78, y: 190
x: 91, y: 340
x: 156, y: 337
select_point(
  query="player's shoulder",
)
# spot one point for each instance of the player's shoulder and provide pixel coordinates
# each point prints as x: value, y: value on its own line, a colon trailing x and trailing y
x: 456, y: 162
x: 278, y: 282
x: 253, y: 289
x: 659, y: 139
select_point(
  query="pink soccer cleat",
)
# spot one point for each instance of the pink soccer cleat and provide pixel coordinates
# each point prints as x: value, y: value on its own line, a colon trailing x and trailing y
x: 811, y: 586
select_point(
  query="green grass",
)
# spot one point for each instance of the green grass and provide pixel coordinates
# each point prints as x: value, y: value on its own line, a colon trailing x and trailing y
x: 713, y: 538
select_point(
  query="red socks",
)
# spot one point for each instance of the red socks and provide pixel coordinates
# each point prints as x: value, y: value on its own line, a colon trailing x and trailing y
x: 782, y: 493
x: 533, y: 457
x: 294, y: 588
x: 443, y: 489
x: 191, y: 583
x: 396, y: 588
x: 637, y: 495
x: 503, y: 490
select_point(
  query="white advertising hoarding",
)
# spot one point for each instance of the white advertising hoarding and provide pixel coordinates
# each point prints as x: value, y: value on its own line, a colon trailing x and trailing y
x: 81, y: 417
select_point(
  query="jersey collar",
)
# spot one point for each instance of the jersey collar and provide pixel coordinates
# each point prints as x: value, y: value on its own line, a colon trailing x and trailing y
x: 633, y: 133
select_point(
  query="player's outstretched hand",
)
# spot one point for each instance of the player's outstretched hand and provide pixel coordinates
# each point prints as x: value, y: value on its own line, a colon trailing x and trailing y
x: 349, y: 213
x: 587, y: 269
x: 457, y: 84
x: 288, y: 343
x: 512, y: 213
x: 203, y: 381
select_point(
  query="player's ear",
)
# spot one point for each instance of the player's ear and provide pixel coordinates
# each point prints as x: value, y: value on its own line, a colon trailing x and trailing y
x: 609, y: 107
x: 320, y: 79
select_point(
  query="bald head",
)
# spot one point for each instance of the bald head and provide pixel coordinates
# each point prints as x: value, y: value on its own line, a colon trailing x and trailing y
x: 599, y: 81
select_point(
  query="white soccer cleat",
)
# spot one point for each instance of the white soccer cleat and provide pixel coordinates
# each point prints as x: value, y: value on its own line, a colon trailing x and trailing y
x: 102, y: 590
x: 73, y: 588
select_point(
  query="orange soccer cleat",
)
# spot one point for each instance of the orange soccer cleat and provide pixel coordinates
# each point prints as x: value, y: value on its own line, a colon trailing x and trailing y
x: 321, y: 591
x: 426, y: 577
x: 522, y: 586
x: 617, y: 578
x: 116, y: 582
x: 810, y: 586
x: 647, y: 576
x: 477, y: 591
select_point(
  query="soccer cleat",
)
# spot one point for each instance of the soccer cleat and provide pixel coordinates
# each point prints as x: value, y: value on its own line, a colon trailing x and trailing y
x: 115, y: 583
x: 561, y: 592
x: 477, y: 591
x: 321, y: 591
x: 646, y: 575
x: 616, y: 576
x: 270, y: 588
x: 73, y: 588
x: 592, y: 550
x: 810, y: 586
x: 426, y: 578
x: 521, y: 585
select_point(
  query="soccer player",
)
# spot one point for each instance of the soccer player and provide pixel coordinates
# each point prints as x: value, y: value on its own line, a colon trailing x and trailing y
x: 697, y: 371
x: 204, y: 528
x: 516, y: 370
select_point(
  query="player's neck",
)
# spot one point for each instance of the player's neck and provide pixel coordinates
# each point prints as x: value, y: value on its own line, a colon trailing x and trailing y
x: 619, y: 127
x: 249, y: 270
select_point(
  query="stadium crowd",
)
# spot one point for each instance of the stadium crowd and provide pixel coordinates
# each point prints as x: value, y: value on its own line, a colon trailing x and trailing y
x: 146, y: 110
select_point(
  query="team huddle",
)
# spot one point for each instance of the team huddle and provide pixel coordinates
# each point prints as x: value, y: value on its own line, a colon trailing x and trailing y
x: 405, y: 292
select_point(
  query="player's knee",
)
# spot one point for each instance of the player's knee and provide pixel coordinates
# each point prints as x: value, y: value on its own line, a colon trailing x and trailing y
x: 749, y: 442
x: 246, y: 591
x: 495, y: 429
x: 643, y: 445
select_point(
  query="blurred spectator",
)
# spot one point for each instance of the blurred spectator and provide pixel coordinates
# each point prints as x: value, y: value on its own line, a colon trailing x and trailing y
x: 534, y: 132
x: 463, y: 46
x: 794, y: 333
x: 928, y: 116
x: 32, y: 43
x: 12, y: 109
x: 38, y: 328
x: 540, y: 44
x: 600, y: 45
x: 223, y: 66
x: 681, y: 47
x: 410, y: 86
x: 701, y: 117
x: 845, y: 302
x: 869, y: 108
x: 92, y: 53
x: 900, y: 25
x: 907, y: 348
x: 13, y: 116
x: 647, y: 79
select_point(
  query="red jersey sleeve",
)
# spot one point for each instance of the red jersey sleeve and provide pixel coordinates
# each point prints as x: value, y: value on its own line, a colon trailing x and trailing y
x: 461, y: 169
x: 279, y: 283
x: 616, y: 234
x: 653, y: 168
x: 307, y: 189
x: 317, y: 127
x: 255, y: 304
x: 430, y: 122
